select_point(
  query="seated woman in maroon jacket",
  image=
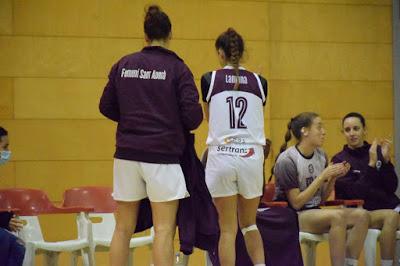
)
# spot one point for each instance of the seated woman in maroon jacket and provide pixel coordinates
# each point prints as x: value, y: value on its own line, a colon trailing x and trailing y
x: 153, y: 97
x: 371, y: 178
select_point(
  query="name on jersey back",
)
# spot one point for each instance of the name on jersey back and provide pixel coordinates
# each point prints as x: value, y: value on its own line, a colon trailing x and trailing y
x: 231, y: 79
x: 143, y: 74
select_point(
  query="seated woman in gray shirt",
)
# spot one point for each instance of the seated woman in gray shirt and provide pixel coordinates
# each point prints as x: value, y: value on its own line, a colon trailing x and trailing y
x: 304, y: 179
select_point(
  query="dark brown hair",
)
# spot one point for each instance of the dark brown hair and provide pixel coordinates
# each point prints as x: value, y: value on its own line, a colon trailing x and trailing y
x: 157, y: 25
x: 233, y: 46
x: 357, y: 115
x: 3, y: 132
x: 294, y: 127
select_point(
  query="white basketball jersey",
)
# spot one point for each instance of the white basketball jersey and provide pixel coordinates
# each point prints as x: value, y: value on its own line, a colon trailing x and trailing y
x: 236, y: 116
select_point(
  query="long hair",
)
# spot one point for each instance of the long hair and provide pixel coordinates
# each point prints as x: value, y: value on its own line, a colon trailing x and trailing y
x: 233, y: 46
x: 294, y: 128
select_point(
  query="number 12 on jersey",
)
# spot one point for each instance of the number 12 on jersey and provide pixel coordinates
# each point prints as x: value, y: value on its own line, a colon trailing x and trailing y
x: 241, y: 103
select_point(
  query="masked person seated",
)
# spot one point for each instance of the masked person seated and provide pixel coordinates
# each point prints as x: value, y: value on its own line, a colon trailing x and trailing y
x: 12, y: 250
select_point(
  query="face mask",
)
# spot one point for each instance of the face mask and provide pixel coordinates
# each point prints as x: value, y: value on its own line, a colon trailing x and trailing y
x: 5, y: 156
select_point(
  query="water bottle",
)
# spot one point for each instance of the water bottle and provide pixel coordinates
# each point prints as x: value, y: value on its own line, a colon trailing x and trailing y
x: 181, y: 259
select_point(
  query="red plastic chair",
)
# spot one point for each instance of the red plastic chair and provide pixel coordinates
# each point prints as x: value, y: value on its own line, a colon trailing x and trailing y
x: 99, y: 199
x: 268, y: 197
x: 103, y: 205
x: 15, y: 210
x: 29, y: 203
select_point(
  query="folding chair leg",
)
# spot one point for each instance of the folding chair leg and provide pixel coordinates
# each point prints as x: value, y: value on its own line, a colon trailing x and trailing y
x: 370, y: 247
x: 92, y: 259
x: 30, y: 253
x: 51, y: 258
x: 310, y: 250
x: 181, y: 259
x: 151, y: 253
x: 208, y: 260
x: 88, y: 257
x: 396, y: 261
x: 74, y: 258
x: 130, y: 257
x: 185, y: 260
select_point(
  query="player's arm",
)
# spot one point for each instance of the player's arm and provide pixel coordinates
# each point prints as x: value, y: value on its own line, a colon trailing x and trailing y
x: 264, y: 84
x: 338, y: 170
x: 287, y: 179
x: 205, y: 109
x: 328, y: 188
x: 205, y: 86
x: 298, y: 199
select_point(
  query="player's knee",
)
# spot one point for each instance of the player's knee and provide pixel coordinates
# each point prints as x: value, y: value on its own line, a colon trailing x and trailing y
x: 246, y: 221
x: 338, y: 218
x: 164, y: 229
x: 249, y: 228
x: 361, y: 216
x: 124, y: 228
x: 391, y: 220
x: 228, y: 229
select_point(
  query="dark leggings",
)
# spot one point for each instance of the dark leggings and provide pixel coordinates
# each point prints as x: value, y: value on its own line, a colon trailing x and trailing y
x: 12, y: 250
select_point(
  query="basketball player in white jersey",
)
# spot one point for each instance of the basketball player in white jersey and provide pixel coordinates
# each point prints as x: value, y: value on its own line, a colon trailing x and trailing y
x: 304, y: 179
x: 234, y: 99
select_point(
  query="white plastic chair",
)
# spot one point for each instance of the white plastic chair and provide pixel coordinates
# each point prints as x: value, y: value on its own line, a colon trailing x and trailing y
x: 31, y: 203
x: 396, y: 261
x: 104, y: 230
x: 102, y: 217
x: 311, y: 241
x: 370, y: 246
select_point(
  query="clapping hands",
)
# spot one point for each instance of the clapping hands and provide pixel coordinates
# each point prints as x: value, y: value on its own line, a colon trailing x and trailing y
x: 385, y: 148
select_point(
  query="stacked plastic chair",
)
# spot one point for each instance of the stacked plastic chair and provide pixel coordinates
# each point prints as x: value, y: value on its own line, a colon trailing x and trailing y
x: 103, y: 207
x: 30, y: 203
x: 370, y: 244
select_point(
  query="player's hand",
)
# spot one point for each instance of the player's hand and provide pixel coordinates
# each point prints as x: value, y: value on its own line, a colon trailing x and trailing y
x: 373, y: 154
x: 267, y: 148
x: 335, y: 170
x: 15, y: 224
x: 345, y: 169
x: 385, y: 146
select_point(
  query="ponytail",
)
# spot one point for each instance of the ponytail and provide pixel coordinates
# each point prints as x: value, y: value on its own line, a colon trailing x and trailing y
x: 233, y: 46
x: 235, y: 55
x: 288, y: 137
x: 294, y: 128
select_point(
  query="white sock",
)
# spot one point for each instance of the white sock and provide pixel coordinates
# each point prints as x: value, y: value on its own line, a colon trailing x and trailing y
x: 259, y: 264
x: 387, y: 262
x: 350, y: 262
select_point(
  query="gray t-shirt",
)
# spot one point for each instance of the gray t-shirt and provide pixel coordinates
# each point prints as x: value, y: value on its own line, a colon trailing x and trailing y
x: 294, y: 170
